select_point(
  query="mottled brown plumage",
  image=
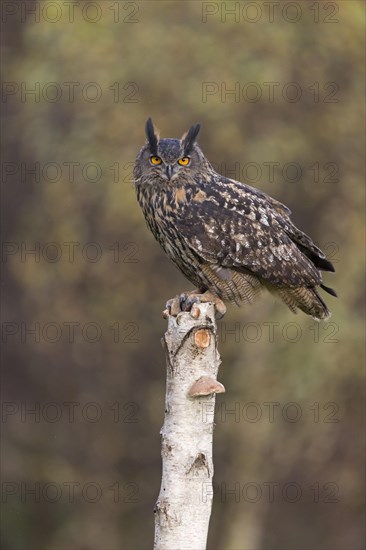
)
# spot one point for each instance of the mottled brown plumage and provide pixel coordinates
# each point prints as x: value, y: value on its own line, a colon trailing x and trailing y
x: 225, y: 236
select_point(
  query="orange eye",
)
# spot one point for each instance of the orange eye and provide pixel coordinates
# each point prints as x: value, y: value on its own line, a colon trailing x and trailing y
x: 155, y: 160
x: 184, y: 161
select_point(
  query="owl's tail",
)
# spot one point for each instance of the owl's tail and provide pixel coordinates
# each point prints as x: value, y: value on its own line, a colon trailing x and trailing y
x: 307, y: 299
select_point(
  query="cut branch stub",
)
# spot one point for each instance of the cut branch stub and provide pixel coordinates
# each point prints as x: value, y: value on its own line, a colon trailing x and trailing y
x: 202, y: 338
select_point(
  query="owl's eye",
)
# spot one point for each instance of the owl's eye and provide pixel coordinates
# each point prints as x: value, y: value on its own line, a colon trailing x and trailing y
x: 155, y: 160
x: 184, y: 161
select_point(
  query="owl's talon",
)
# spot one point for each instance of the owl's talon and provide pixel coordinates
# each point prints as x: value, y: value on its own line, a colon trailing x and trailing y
x: 173, y: 306
x: 220, y: 307
x: 186, y: 301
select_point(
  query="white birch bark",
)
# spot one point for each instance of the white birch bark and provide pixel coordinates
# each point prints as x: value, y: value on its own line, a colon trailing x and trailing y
x: 183, y: 508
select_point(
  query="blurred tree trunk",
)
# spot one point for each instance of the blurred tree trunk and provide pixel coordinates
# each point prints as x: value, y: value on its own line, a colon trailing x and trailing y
x: 183, y: 508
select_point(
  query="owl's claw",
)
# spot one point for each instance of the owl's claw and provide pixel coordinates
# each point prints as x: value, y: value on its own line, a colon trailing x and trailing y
x: 185, y: 301
x: 171, y: 308
x: 220, y: 307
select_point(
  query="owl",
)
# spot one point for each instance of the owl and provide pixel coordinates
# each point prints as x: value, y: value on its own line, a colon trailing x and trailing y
x: 229, y: 239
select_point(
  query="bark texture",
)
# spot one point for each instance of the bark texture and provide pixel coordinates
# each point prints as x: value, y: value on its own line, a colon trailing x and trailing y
x: 183, y: 508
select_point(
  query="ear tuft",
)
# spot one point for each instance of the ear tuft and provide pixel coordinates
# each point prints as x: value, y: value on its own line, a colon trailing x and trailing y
x: 152, y: 137
x: 189, y: 138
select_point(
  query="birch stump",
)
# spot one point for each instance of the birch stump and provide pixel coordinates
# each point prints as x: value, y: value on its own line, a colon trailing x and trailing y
x: 183, y: 508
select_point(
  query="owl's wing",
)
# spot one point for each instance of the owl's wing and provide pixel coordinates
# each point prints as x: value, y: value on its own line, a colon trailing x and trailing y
x: 234, y: 226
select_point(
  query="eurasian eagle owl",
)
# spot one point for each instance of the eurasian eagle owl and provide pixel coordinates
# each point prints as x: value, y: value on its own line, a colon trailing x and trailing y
x: 229, y: 239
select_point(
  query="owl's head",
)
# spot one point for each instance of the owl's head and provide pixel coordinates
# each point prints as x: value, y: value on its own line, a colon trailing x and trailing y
x: 167, y: 161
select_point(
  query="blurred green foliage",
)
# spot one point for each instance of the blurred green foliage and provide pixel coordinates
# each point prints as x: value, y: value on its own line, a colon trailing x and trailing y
x: 162, y: 63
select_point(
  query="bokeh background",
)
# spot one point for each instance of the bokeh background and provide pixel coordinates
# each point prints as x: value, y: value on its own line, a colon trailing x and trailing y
x: 82, y: 471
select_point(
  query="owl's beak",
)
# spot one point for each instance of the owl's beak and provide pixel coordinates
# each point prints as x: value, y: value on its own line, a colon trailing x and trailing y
x: 169, y: 171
